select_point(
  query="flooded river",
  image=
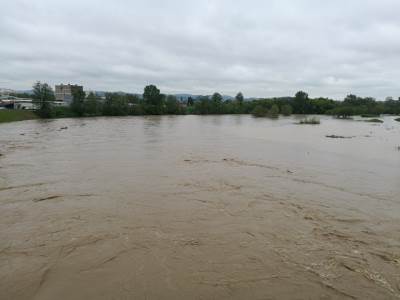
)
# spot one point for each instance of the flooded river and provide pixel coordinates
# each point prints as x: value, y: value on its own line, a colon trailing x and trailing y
x: 199, y: 207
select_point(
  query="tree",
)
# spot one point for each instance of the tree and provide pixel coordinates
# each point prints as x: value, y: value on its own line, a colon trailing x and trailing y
x: 239, y: 98
x: 152, y: 95
x: 115, y: 105
x: 132, y: 98
x: 43, y: 96
x: 216, y: 102
x: 286, y: 110
x: 190, y: 101
x: 203, y: 105
x: 274, y: 111
x: 153, y: 100
x: 92, y: 105
x: 77, y: 105
x: 301, y: 103
x: 259, y: 111
x: 172, y: 105
x: 216, y: 97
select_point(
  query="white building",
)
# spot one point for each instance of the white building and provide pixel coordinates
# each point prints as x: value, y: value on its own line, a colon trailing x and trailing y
x: 64, y: 92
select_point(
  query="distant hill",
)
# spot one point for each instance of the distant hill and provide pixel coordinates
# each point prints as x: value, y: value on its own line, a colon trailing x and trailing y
x: 29, y: 92
x: 184, y: 97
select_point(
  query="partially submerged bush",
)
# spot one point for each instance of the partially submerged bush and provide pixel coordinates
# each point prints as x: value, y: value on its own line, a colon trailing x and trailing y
x: 274, y: 111
x: 374, y: 121
x: 370, y: 116
x: 286, y: 110
x: 259, y: 111
x: 310, y: 121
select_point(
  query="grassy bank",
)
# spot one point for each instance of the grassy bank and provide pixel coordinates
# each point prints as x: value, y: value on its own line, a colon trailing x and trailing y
x: 7, y: 115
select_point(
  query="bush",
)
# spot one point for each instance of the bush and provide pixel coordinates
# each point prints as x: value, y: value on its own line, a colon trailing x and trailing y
x: 370, y: 116
x: 259, y: 111
x: 287, y: 110
x: 274, y: 111
x: 374, y: 121
x: 310, y: 121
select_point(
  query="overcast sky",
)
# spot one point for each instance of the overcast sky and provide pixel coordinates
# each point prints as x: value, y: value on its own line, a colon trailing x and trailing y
x: 260, y: 47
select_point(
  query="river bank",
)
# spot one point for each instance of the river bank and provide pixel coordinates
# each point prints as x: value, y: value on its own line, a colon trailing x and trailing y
x: 8, y: 115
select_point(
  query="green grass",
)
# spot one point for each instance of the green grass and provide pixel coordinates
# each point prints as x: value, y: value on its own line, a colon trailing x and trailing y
x: 310, y: 121
x: 8, y: 115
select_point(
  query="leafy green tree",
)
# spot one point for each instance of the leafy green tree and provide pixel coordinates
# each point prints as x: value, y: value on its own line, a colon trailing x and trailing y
x: 216, y: 102
x: 301, y: 103
x: 216, y: 97
x: 43, y: 96
x: 202, y: 106
x: 273, y: 111
x: 259, y: 111
x: 286, y: 110
x: 152, y: 95
x: 92, y: 105
x: 172, y: 105
x: 239, y: 98
x: 153, y: 100
x: 77, y: 105
x: 190, y: 101
x: 115, y: 105
x: 343, y: 112
x: 132, y: 98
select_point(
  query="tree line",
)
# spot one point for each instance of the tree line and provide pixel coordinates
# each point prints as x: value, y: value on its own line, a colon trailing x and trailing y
x: 153, y: 102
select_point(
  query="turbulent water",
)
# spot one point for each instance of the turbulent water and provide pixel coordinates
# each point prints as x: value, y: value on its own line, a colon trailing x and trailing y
x: 191, y: 207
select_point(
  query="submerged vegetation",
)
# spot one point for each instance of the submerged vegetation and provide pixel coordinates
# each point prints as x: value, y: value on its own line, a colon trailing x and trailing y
x: 370, y: 116
x: 310, y: 121
x: 374, y: 121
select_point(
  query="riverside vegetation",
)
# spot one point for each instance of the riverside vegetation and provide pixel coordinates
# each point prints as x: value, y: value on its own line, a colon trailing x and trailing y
x: 153, y: 102
x: 16, y: 115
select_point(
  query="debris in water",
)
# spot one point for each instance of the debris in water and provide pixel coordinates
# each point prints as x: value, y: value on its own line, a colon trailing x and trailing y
x: 333, y: 136
x: 47, y: 198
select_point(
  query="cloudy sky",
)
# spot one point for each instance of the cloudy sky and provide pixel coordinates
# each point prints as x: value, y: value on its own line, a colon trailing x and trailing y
x: 259, y: 47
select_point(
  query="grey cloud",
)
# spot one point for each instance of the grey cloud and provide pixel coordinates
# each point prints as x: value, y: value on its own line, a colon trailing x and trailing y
x: 263, y: 48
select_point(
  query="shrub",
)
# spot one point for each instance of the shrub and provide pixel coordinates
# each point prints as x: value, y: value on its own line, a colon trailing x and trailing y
x: 259, y: 111
x: 374, y: 121
x: 274, y: 111
x: 310, y: 121
x: 370, y: 116
x: 287, y: 110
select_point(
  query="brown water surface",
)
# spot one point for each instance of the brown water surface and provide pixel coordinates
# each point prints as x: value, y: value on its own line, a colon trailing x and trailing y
x: 191, y: 207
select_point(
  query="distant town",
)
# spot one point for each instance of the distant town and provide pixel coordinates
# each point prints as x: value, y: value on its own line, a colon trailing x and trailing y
x: 11, y: 99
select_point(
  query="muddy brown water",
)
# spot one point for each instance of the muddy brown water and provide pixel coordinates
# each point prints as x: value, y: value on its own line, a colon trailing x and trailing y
x: 192, y: 207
